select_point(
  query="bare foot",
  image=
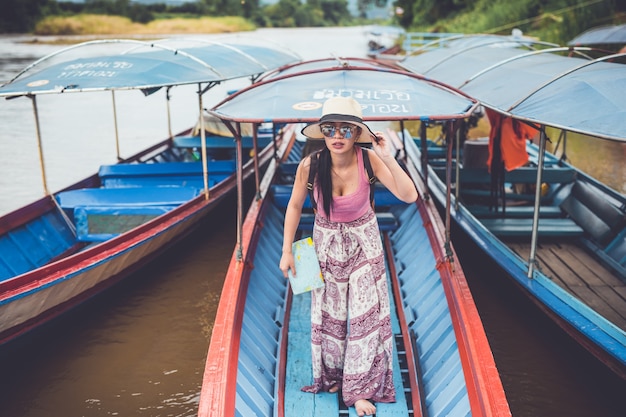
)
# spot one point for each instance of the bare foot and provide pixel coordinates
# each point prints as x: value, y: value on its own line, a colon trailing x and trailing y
x: 364, y: 408
x: 333, y: 389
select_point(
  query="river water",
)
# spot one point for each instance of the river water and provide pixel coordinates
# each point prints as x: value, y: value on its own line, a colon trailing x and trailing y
x: 139, y: 349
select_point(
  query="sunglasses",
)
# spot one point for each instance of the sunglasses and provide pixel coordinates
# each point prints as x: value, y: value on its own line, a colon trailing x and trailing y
x: 344, y: 131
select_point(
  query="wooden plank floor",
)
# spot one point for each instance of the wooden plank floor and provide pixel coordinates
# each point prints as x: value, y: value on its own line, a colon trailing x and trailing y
x: 583, y: 276
x: 299, y: 371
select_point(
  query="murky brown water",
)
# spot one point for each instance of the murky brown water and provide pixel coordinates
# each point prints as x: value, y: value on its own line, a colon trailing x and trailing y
x: 139, y: 349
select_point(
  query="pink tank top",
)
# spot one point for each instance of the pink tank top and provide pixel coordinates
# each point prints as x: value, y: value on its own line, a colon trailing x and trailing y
x: 349, y: 207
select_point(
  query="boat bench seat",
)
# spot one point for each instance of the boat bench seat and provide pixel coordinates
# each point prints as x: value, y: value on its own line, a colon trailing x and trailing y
x: 523, y: 227
x: 382, y: 196
x: 597, y: 216
x: 521, y: 175
x: 484, y: 212
x: 219, y: 142
x: 386, y: 221
x: 164, y: 174
x: 115, y: 197
x: 288, y: 168
x: 102, y: 213
x: 96, y: 224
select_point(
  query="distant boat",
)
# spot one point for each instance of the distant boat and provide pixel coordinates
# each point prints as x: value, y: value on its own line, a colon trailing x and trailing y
x: 70, y: 245
x: 557, y: 232
x: 259, y: 355
x: 612, y: 36
x: 383, y: 39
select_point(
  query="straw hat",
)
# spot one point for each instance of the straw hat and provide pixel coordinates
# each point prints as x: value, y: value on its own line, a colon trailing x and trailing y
x: 340, y: 109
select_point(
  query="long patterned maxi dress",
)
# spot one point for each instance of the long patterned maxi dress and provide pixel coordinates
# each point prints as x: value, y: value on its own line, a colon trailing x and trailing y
x: 351, y: 335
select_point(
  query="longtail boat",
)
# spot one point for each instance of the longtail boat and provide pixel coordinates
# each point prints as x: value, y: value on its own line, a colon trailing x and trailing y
x: 259, y: 354
x: 70, y: 245
x: 556, y: 231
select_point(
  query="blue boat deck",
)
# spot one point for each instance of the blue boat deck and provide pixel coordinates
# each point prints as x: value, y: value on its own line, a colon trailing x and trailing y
x: 299, y: 371
x: 439, y: 371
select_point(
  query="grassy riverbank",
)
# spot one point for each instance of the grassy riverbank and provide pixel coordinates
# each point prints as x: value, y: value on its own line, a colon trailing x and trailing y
x: 89, y: 25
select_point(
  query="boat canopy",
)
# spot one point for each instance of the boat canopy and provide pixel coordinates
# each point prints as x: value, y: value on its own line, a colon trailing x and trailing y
x: 589, y: 100
x: 323, y: 63
x: 574, y: 92
x: 386, y: 94
x: 603, y: 35
x: 119, y: 64
x: 462, y: 56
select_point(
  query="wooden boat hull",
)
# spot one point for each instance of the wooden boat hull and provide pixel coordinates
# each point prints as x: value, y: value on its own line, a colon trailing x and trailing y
x: 257, y: 358
x: 34, y: 297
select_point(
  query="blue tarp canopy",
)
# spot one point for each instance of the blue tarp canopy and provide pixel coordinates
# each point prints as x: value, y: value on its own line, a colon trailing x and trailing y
x: 460, y: 59
x: 603, y: 35
x: 574, y: 93
x: 385, y: 94
x: 128, y: 64
x: 589, y: 100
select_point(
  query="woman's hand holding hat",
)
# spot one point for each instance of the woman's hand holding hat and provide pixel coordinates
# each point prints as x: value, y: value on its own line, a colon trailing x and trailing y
x: 380, y: 145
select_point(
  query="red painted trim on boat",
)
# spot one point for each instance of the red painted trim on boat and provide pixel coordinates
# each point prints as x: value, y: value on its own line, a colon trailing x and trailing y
x: 484, y: 387
x: 219, y: 387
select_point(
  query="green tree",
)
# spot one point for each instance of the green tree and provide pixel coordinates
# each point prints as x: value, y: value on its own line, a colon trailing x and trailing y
x: 19, y: 16
x: 405, y: 19
x: 335, y: 11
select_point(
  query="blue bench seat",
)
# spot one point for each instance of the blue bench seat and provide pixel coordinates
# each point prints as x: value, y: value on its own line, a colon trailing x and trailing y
x: 527, y: 175
x: 516, y: 211
x: 164, y: 174
x: 142, y: 196
x: 523, y: 227
x: 220, y: 142
x: 102, y: 213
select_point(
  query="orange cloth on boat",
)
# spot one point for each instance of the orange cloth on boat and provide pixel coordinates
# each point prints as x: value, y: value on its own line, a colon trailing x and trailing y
x: 513, y: 136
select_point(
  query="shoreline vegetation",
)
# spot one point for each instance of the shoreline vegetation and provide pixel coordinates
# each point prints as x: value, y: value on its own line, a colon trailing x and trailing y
x: 91, y: 25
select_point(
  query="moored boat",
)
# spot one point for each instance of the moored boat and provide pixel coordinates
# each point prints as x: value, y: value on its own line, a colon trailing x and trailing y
x: 259, y: 354
x: 556, y: 231
x: 70, y: 245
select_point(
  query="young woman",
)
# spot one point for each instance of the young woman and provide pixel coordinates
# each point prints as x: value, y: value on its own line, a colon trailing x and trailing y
x: 351, y: 336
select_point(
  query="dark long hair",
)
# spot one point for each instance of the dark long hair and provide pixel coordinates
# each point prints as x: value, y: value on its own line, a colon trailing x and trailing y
x: 325, y: 180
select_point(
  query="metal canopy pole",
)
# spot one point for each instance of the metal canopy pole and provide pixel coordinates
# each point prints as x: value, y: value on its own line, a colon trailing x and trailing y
x: 533, y: 242
x: 457, y: 189
x: 236, y: 131
x: 239, y: 193
x: 169, y: 113
x: 424, y: 147
x: 205, y: 171
x: 255, y: 151
x: 205, y: 165
x: 117, y: 136
x: 42, y: 164
x: 449, y: 126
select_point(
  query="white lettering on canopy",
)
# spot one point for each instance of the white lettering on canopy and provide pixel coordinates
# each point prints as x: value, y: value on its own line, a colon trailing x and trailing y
x: 107, y: 69
x: 373, y: 101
